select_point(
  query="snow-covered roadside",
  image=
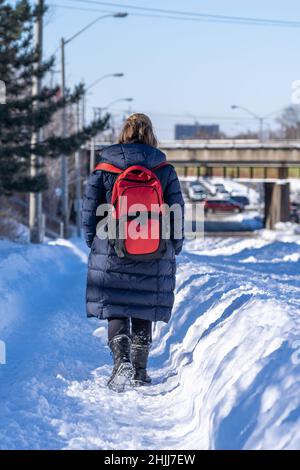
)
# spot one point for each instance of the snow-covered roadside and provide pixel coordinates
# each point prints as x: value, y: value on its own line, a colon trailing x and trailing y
x: 226, y: 370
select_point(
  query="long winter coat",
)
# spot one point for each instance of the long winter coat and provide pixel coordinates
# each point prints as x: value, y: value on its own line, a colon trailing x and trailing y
x: 120, y: 287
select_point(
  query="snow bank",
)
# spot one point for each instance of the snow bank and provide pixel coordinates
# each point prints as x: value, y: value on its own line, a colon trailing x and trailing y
x: 225, y: 369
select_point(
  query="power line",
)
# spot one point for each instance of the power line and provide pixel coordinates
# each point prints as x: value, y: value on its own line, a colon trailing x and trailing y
x: 191, y: 116
x: 190, y: 16
x: 143, y: 15
x: 80, y: 8
x: 177, y: 18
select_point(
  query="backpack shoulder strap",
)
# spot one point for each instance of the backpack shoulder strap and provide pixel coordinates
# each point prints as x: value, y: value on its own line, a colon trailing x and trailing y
x: 108, y: 167
x: 161, y: 165
x: 114, y: 169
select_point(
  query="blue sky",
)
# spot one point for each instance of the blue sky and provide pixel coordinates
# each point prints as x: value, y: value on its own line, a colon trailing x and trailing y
x: 183, y: 67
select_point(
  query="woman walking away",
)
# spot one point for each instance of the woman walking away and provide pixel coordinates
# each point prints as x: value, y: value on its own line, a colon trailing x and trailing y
x: 131, y: 278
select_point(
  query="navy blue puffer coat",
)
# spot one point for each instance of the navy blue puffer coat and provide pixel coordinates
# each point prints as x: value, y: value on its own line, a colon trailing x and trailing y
x: 120, y: 287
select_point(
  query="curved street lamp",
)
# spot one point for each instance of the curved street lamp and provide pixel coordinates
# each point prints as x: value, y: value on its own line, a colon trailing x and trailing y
x: 129, y: 100
x: 261, y: 119
x: 98, y: 110
x: 109, y: 15
x: 108, y: 75
x: 255, y: 116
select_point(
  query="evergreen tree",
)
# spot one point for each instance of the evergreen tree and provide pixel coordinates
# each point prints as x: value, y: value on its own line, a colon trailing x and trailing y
x: 24, y: 114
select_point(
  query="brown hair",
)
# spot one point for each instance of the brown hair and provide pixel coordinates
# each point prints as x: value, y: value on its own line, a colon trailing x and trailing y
x: 138, y: 129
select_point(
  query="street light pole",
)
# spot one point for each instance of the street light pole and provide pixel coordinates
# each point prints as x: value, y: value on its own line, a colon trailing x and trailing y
x: 255, y: 116
x: 261, y: 119
x: 64, y: 158
x: 78, y: 177
x: 261, y: 129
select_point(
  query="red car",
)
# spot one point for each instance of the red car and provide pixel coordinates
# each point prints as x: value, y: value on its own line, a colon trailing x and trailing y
x: 222, y: 205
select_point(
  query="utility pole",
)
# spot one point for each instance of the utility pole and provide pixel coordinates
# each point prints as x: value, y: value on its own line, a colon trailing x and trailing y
x: 78, y: 176
x: 35, y: 199
x: 97, y: 115
x: 261, y: 129
x: 83, y: 109
x: 92, y: 154
x: 64, y: 158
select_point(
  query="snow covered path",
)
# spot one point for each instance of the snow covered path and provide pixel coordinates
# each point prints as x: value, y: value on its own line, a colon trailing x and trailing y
x: 226, y: 368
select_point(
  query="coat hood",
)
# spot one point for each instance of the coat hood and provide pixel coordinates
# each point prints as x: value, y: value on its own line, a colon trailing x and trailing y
x: 125, y: 155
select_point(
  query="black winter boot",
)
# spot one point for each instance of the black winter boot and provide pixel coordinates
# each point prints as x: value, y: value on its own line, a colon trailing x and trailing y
x: 139, y: 355
x: 123, y: 371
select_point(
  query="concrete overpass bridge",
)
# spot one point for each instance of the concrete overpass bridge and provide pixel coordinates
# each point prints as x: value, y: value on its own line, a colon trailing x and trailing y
x: 235, y: 158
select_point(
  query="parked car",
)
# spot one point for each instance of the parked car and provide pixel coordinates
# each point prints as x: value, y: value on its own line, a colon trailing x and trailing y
x: 241, y: 200
x: 197, y: 192
x: 222, y: 205
x: 220, y: 188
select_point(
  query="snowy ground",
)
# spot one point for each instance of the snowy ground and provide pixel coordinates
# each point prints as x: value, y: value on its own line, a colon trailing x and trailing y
x: 226, y: 368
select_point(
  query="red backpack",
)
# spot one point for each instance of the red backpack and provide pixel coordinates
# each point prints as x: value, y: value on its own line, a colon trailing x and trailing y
x: 137, y: 211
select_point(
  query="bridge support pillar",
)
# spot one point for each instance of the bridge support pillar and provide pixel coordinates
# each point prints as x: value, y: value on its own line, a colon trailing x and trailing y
x: 277, y: 204
x: 208, y: 172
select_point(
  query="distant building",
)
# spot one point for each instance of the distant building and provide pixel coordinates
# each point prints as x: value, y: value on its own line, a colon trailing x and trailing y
x: 197, y: 131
